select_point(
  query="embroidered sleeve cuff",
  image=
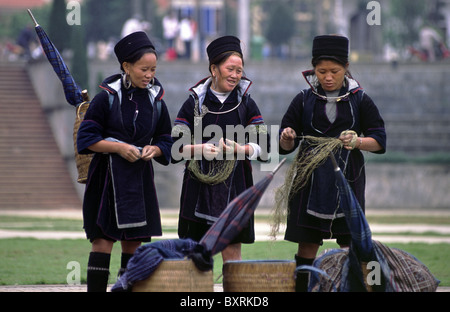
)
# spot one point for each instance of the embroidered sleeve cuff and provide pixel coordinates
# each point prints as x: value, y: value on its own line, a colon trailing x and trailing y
x: 256, y: 151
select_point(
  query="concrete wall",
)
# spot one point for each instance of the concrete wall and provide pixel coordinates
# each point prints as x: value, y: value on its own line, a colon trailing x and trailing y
x: 391, y: 186
x: 413, y: 99
x: 60, y: 114
x: 388, y: 186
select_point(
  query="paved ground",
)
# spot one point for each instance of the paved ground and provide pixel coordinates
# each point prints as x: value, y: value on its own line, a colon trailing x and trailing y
x: 82, y: 288
x: 61, y: 288
x: 262, y: 234
x: 169, y: 219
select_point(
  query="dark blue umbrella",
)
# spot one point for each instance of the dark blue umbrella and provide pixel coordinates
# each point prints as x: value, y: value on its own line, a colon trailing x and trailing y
x: 355, y: 218
x: 361, y: 248
x: 399, y: 271
x: 235, y: 217
x: 71, y: 89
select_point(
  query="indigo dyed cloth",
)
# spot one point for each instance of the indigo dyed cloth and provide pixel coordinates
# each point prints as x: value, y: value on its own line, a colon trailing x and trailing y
x: 148, y: 257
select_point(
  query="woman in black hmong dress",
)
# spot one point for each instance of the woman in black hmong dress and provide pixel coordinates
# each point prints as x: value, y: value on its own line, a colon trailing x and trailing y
x: 126, y: 126
x: 334, y: 103
x: 216, y: 102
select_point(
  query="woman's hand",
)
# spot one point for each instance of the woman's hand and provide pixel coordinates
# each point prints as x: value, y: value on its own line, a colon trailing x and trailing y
x: 287, y: 139
x: 128, y: 152
x: 150, y: 151
x: 350, y: 139
x: 227, y: 147
x: 210, y: 151
x: 230, y: 147
x: 206, y: 150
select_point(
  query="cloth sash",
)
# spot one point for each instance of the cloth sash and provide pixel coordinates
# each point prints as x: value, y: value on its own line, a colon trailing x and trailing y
x: 323, y: 201
x: 213, y: 199
x: 127, y: 179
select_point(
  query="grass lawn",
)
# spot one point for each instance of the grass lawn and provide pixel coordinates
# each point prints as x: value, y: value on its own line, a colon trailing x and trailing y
x: 32, y: 261
x: 27, y: 261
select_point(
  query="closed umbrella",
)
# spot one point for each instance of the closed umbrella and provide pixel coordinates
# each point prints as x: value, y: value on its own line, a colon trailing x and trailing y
x: 356, y: 221
x: 235, y: 217
x: 361, y: 248
x: 398, y: 270
x: 71, y: 90
x: 74, y: 95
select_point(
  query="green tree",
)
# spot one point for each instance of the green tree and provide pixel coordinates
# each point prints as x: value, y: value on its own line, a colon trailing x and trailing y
x: 105, y: 18
x: 12, y: 24
x: 59, y: 31
x: 79, y: 68
x: 281, y: 24
x: 405, y: 19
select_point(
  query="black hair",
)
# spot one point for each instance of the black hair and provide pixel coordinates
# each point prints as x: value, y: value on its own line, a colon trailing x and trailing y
x: 221, y: 58
x: 136, y: 56
x: 339, y: 60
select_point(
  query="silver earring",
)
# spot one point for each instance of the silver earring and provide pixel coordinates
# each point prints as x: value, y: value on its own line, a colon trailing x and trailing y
x: 126, y: 83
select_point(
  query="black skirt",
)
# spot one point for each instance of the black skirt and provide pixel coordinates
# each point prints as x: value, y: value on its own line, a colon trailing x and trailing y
x: 304, y: 227
x: 104, y: 225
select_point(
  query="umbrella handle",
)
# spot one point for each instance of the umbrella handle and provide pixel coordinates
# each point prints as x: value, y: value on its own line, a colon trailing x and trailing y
x: 32, y: 17
x: 85, y: 95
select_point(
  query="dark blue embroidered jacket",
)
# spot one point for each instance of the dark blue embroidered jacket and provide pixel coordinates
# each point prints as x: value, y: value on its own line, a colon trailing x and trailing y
x: 121, y: 195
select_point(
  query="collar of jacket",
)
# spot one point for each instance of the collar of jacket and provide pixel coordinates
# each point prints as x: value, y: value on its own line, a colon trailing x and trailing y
x: 200, y: 89
x: 113, y: 85
x: 353, y: 86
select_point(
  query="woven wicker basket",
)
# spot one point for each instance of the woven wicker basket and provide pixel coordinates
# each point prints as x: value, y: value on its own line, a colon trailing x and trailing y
x: 82, y: 161
x: 259, y: 276
x: 177, y: 276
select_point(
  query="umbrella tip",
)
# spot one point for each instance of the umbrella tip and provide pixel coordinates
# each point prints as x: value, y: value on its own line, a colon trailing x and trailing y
x: 279, y: 166
x: 32, y: 17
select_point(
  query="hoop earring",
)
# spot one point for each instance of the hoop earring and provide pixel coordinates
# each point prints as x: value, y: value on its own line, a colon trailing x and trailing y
x: 126, y: 83
x: 151, y: 84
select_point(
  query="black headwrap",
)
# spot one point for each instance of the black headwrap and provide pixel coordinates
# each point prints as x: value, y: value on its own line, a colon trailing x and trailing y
x: 128, y: 45
x: 223, y: 44
x: 330, y: 46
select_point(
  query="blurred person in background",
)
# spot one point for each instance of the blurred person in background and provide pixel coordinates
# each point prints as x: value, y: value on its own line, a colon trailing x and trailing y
x: 187, y: 34
x: 170, y: 32
x: 431, y: 42
x: 25, y: 40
